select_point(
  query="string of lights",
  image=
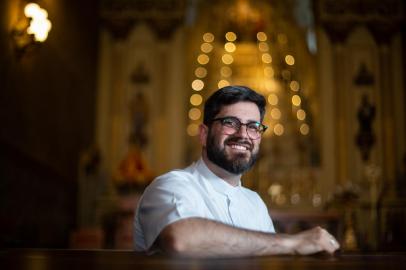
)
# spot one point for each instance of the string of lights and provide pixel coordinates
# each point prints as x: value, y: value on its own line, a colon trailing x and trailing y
x: 275, y: 82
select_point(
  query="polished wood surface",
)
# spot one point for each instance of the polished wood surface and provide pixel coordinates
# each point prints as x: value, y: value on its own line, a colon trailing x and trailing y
x: 39, y: 259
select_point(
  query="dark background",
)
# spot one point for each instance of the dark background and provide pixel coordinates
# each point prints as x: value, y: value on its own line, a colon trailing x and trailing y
x: 47, y: 110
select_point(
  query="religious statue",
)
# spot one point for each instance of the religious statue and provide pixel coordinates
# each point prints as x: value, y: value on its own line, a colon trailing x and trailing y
x: 133, y: 172
x: 139, y: 119
x: 365, y: 138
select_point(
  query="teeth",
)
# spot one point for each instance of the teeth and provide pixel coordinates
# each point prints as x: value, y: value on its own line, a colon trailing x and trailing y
x: 239, y: 147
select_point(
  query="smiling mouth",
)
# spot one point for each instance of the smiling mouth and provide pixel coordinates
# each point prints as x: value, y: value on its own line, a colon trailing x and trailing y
x: 239, y: 147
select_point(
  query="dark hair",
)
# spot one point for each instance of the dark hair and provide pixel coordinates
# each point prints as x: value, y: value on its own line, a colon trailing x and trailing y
x: 230, y: 95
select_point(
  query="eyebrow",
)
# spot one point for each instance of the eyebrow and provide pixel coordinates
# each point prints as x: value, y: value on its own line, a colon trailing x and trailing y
x: 249, y: 121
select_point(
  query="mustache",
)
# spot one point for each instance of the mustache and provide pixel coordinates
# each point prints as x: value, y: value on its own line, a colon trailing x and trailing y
x: 240, y: 141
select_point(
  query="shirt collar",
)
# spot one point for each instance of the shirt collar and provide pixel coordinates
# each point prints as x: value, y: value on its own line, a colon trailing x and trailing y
x: 216, y: 182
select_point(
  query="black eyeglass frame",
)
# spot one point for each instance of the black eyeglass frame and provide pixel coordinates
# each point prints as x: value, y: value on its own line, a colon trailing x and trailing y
x: 261, y: 127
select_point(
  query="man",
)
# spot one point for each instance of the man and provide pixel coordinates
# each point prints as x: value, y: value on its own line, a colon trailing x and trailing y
x: 203, y: 211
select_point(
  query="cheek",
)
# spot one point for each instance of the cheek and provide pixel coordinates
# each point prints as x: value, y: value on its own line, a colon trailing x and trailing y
x: 220, y: 141
x: 217, y: 138
x: 257, y: 143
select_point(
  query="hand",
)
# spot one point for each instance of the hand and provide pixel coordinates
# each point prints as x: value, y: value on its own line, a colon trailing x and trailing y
x: 315, y: 240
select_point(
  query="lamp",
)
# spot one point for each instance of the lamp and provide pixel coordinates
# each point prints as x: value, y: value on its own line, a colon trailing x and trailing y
x: 32, y: 29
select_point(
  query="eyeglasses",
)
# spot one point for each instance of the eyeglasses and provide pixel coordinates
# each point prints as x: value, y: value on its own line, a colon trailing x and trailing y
x: 232, y: 125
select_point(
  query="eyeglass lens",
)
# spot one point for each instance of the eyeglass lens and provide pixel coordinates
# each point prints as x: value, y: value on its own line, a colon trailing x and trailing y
x: 233, y: 125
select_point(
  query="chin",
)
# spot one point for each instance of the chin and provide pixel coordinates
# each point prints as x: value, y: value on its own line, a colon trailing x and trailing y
x: 240, y: 158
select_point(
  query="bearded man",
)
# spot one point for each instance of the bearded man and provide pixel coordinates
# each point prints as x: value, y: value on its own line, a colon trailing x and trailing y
x: 202, y: 210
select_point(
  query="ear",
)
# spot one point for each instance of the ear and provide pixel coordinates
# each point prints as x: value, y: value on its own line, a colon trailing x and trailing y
x: 203, y: 133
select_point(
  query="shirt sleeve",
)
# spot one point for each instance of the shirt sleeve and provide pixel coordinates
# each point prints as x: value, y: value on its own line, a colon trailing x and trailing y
x: 168, y: 199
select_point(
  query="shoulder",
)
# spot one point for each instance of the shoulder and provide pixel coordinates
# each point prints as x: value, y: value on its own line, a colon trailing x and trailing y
x: 172, y: 181
x: 249, y: 192
x: 177, y: 176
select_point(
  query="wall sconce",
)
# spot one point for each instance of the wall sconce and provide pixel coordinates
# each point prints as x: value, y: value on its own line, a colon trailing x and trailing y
x: 32, y: 29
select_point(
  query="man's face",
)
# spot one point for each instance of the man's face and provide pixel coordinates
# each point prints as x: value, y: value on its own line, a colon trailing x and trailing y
x: 234, y: 153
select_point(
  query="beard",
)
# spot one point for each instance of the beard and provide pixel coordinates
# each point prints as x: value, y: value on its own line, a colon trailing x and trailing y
x: 237, y: 164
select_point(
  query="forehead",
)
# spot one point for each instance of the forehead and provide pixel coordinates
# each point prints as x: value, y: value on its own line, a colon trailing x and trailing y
x: 245, y: 111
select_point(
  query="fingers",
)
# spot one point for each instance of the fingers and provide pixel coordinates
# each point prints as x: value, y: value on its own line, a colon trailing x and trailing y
x: 324, y: 240
x: 334, y: 243
x: 316, y: 240
x: 329, y: 242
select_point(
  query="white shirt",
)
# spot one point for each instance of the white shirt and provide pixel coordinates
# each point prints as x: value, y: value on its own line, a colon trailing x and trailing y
x: 196, y: 192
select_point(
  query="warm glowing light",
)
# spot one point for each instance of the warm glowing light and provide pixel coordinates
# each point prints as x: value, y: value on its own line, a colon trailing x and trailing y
x: 275, y: 190
x: 39, y: 23
x: 31, y: 10
x: 203, y: 59
x: 278, y: 129
x: 270, y: 85
x: 282, y: 39
x: 263, y: 46
x: 208, y: 37
x: 294, y: 86
x: 273, y: 99
x: 317, y: 199
x: 201, y: 72
x: 223, y: 83
x: 197, y: 85
x: 231, y: 36
x: 266, y: 58
x: 295, y: 198
x: 206, y: 47
x: 290, y: 60
x: 227, y: 59
x: 194, y: 114
x: 276, y: 113
x: 304, y: 129
x: 229, y: 47
x: 42, y: 14
x: 226, y: 71
x: 196, y: 99
x: 40, y: 29
x: 301, y: 114
x: 192, y: 130
x: 268, y: 72
x: 261, y: 36
x: 296, y: 100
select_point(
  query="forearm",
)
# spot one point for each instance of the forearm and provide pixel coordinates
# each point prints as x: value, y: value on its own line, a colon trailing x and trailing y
x: 197, y: 237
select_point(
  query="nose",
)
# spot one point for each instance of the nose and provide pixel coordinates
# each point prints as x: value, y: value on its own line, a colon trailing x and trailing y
x: 242, y: 131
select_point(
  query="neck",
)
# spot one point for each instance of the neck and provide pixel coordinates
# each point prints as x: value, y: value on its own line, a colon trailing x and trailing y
x: 232, y: 179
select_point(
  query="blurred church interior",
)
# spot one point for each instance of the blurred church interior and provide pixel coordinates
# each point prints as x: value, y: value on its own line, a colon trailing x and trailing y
x: 112, y: 96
